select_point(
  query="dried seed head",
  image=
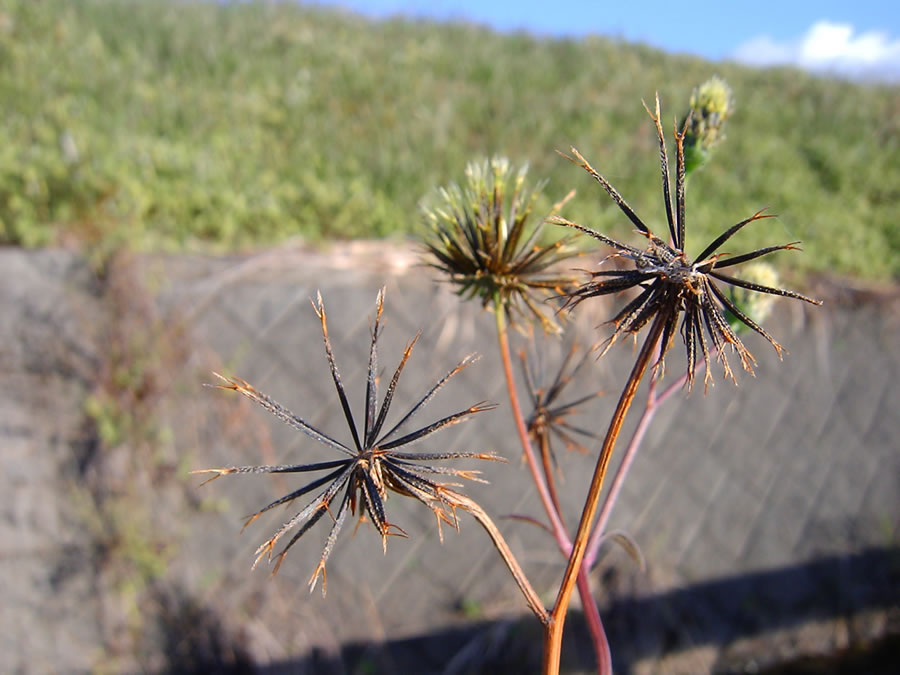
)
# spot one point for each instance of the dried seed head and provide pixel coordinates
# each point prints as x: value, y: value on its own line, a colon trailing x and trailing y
x: 550, y: 416
x: 373, y: 466
x: 670, y: 286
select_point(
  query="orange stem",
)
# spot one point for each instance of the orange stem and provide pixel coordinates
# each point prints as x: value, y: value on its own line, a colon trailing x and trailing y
x: 547, y: 464
x: 546, y: 490
x: 559, y: 529
x: 554, y: 630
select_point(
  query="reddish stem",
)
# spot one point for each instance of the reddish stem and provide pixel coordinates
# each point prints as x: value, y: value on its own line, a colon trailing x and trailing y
x: 559, y: 530
x: 653, y: 404
x: 554, y: 631
x: 547, y: 492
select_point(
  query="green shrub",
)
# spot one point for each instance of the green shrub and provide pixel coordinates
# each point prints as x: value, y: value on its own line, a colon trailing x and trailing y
x: 222, y: 126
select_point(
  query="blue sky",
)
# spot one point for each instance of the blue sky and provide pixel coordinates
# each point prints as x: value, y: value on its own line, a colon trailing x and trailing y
x: 855, y: 37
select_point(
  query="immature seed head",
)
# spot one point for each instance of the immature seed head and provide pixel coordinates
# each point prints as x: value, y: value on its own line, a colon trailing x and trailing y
x: 483, y: 240
x: 711, y: 106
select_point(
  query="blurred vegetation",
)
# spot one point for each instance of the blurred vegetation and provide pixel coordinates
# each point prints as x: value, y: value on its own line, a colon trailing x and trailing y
x: 170, y: 124
x: 126, y: 453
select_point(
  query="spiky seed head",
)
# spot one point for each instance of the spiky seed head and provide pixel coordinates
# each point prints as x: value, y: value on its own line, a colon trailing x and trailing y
x: 671, y: 287
x: 550, y: 416
x: 377, y: 463
x: 485, y: 243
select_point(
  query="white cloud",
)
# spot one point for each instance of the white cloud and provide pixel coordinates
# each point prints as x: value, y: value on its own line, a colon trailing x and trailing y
x: 829, y: 47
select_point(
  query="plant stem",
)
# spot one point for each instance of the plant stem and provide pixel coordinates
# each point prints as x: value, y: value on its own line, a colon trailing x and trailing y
x: 591, y: 612
x: 547, y: 492
x: 654, y: 402
x: 595, y: 623
x: 615, y: 487
x: 547, y: 464
x: 531, y: 597
x: 554, y: 630
x: 559, y: 531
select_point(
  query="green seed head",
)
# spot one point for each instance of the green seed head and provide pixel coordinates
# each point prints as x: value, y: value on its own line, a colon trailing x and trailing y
x: 758, y: 306
x: 711, y: 106
x: 485, y: 242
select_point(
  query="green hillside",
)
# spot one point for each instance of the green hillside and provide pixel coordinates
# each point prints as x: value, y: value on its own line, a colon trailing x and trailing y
x: 176, y: 124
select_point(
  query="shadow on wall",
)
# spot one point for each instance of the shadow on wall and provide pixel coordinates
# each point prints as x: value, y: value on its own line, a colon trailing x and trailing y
x: 711, y: 613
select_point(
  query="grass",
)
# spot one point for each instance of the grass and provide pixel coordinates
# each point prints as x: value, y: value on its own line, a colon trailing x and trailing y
x: 197, y: 125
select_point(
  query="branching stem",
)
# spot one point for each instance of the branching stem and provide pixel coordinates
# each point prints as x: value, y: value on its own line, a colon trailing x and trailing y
x: 555, y: 522
x: 554, y: 629
x: 547, y: 492
x: 654, y: 402
x: 531, y: 597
